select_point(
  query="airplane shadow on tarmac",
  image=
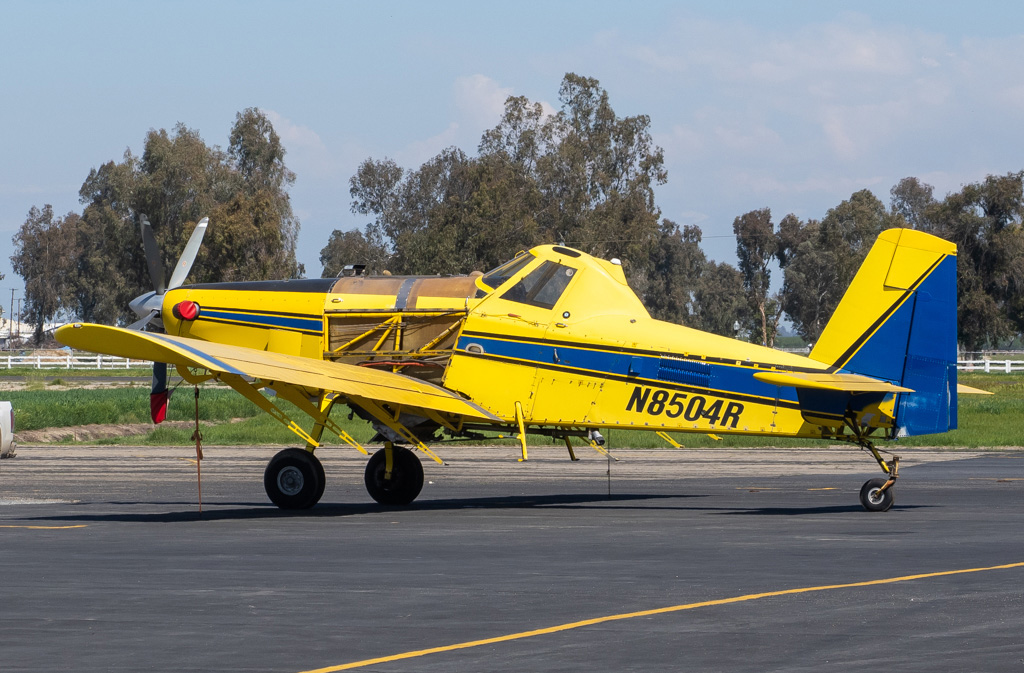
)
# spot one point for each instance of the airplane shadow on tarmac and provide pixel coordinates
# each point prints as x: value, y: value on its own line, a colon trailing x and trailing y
x: 800, y: 511
x: 580, y: 501
x: 247, y: 510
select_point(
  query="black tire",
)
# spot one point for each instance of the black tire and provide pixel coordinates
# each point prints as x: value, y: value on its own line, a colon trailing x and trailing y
x: 406, y: 480
x: 871, y: 500
x: 294, y: 479
x: 321, y: 478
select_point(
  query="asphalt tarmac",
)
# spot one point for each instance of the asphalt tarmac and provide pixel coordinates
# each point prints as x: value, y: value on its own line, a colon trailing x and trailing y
x: 696, y: 561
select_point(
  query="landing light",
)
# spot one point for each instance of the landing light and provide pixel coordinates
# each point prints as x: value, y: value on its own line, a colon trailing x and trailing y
x: 186, y: 310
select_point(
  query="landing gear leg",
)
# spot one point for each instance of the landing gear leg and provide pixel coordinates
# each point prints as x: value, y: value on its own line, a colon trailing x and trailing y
x: 294, y: 479
x: 394, y: 475
x: 876, y: 495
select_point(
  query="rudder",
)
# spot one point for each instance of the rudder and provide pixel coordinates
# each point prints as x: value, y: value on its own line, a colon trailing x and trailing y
x: 897, y: 322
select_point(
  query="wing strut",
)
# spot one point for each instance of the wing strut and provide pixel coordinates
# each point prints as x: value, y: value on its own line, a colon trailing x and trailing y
x: 321, y: 416
x: 600, y: 449
x: 374, y: 408
x: 252, y: 394
x: 668, y: 438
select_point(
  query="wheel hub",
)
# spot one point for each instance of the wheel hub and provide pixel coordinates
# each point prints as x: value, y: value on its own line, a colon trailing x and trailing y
x: 290, y: 480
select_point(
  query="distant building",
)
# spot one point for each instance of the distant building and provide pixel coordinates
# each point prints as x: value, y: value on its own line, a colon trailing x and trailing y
x: 14, y: 334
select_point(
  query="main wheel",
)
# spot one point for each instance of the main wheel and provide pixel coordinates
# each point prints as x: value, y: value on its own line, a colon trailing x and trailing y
x: 294, y: 479
x: 406, y: 477
x: 872, y: 500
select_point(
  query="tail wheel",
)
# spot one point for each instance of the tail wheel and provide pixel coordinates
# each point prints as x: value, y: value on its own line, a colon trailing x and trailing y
x: 404, y: 483
x: 873, y: 498
x: 294, y: 479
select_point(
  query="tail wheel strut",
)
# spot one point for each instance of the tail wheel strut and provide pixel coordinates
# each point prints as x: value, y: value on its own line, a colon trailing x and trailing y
x: 876, y: 495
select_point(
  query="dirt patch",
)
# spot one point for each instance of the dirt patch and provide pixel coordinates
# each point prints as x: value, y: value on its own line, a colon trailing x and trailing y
x: 92, y: 432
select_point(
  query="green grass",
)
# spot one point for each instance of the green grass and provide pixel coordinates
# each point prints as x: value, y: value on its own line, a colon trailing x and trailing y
x: 235, y: 419
x: 984, y: 420
x: 256, y: 430
x: 32, y: 372
x: 49, y: 408
x: 789, y: 342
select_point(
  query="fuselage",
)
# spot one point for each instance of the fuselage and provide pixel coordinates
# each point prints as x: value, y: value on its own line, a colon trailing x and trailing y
x: 552, y: 342
x: 555, y: 332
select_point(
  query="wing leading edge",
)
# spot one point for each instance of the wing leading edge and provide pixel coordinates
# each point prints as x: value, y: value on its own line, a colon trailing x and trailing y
x: 348, y: 380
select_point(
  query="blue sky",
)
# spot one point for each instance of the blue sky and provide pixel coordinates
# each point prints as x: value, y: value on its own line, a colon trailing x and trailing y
x: 787, y: 105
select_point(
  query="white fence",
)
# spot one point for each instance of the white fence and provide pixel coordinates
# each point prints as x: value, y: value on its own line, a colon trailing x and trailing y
x: 71, y: 361
x: 991, y: 366
x: 89, y: 361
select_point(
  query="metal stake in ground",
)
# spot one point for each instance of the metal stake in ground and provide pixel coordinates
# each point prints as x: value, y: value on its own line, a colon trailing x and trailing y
x: 608, y: 453
x: 198, y: 437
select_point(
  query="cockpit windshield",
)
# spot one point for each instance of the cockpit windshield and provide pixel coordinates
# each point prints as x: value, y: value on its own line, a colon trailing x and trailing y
x: 496, y: 277
x: 541, y: 287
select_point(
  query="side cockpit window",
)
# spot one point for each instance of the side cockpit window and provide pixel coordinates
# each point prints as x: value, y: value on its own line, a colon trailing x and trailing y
x: 541, y: 287
x: 496, y: 277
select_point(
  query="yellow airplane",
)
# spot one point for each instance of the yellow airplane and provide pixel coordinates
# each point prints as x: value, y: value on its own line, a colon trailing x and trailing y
x: 553, y: 342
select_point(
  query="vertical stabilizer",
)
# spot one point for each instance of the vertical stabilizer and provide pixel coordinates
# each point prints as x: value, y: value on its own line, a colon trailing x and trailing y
x: 897, y: 322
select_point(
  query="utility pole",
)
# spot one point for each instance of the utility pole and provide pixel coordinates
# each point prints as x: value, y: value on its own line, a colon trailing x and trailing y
x: 19, y: 318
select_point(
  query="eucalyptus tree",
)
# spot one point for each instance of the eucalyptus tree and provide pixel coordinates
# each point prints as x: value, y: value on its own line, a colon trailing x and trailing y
x: 756, y: 249
x: 820, y: 258
x: 43, y: 254
x: 984, y: 219
x: 177, y: 180
x: 583, y: 177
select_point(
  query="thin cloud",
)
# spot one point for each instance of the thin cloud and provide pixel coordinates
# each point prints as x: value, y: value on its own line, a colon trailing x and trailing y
x: 417, y: 153
x: 306, y: 150
x: 850, y: 92
x: 479, y: 103
x: 480, y: 100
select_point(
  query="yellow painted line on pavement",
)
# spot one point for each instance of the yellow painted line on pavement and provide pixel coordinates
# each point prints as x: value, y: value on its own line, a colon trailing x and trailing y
x: 80, y: 525
x: 647, y: 613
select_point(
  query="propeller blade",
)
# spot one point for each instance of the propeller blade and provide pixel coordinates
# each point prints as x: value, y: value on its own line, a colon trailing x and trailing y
x: 188, y: 255
x: 156, y: 267
x: 141, y: 323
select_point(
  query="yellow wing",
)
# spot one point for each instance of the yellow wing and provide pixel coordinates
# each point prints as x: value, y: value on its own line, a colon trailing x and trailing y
x: 347, y: 380
x: 852, y: 383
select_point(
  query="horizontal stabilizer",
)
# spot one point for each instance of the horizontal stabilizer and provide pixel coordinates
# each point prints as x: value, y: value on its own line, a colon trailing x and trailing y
x: 961, y: 389
x: 851, y: 383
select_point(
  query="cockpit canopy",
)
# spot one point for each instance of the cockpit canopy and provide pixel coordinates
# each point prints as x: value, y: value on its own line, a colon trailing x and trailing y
x: 548, y: 276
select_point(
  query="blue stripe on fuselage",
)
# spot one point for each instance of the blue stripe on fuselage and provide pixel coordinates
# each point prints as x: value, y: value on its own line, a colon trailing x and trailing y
x: 264, y: 320
x: 600, y: 363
